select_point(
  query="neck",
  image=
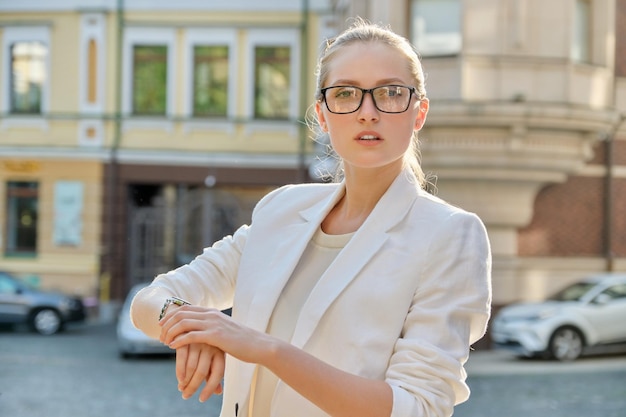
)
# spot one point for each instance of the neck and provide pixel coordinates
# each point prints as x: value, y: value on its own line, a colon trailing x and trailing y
x: 364, y: 188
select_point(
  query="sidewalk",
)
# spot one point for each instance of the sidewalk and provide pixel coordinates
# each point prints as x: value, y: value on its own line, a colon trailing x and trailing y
x: 502, y: 362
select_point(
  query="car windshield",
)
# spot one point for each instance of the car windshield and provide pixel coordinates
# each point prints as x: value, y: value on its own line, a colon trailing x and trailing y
x: 10, y: 283
x: 573, y: 292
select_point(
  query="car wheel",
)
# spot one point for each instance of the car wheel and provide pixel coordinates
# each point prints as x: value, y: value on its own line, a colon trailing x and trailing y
x: 566, y: 344
x: 46, y: 321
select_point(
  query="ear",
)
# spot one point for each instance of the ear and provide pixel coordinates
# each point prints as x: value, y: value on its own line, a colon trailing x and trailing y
x: 420, y: 119
x: 320, y: 116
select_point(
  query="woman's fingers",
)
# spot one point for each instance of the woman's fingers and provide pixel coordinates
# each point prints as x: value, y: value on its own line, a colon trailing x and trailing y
x: 198, y: 373
x: 208, y: 368
x: 182, y: 355
x: 213, y: 383
x: 190, y: 366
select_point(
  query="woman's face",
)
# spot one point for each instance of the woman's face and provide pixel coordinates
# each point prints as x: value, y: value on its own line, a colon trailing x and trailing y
x: 369, y: 138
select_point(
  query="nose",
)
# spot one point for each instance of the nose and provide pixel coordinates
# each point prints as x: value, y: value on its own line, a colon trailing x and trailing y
x: 368, y: 110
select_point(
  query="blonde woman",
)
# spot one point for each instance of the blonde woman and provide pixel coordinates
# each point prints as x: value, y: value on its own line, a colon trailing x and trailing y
x: 356, y: 298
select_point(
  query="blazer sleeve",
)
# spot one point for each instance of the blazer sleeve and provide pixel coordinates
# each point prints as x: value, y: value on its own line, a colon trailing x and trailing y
x: 449, y: 312
x: 208, y: 280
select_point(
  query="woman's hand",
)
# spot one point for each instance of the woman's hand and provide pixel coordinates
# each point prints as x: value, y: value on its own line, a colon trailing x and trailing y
x: 336, y: 392
x: 198, y: 363
x: 189, y: 325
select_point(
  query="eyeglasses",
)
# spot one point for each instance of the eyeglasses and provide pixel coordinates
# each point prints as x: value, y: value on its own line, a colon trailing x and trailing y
x: 344, y: 99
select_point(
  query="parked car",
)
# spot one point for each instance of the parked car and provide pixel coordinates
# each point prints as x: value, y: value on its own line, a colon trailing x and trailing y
x: 132, y: 341
x: 46, y: 312
x: 587, y: 314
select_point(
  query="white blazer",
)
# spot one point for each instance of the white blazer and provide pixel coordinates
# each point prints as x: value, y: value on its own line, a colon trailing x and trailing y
x: 402, y: 302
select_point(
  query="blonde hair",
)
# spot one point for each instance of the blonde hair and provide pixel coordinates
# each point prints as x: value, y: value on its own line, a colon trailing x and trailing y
x: 363, y: 31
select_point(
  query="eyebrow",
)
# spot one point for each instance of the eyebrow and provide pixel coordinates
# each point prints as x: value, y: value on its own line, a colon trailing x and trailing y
x: 385, y: 81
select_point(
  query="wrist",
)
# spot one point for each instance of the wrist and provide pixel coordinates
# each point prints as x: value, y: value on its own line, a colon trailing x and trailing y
x: 271, y: 350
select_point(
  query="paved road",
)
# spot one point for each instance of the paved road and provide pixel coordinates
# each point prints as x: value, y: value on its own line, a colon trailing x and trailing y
x: 79, y: 374
x: 505, y: 386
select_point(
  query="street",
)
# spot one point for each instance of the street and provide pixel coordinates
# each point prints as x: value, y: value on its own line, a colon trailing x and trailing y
x: 78, y: 373
x: 505, y: 386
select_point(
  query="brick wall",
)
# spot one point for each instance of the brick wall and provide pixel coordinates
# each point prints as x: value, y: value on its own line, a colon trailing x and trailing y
x: 567, y: 220
x: 619, y: 218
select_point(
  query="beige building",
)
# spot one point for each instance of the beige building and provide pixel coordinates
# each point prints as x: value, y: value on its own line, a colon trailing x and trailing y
x: 135, y: 132
x: 526, y: 98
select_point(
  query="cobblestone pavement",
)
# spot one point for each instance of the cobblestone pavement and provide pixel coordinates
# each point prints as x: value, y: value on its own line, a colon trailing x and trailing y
x: 78, y: 374
x: 505, y: 386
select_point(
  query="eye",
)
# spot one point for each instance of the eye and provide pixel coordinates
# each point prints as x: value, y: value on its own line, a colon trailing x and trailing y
x: 344, y: 92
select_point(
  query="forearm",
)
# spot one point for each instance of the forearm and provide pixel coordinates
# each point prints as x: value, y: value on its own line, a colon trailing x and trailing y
x: 336, y: 392
x: 146, y: 308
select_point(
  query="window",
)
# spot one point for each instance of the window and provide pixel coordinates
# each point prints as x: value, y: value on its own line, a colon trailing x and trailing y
x: 210, y: 80
x: 28, y: 76
x: 22, y: 209
x: 149, y: 71
x: 272, y: 82
x: 582, y: 32
x: 272, y: 78
x: 149, y: 80
x: 616, y: 292
x: 436, y: 26
x: 25, y: 76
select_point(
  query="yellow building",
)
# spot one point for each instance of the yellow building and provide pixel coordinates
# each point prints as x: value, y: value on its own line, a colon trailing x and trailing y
x: 145, y: 130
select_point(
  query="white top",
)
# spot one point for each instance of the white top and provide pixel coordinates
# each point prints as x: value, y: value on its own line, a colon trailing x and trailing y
x: 317, y: 257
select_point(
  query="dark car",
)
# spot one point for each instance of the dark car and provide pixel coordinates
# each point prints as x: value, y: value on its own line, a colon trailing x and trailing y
x: 45, y: 312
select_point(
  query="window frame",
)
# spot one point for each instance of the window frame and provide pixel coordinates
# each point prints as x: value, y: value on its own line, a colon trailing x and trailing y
x: 455, y: 38
x: 11, y: 35
x: 148, y: 37
x: 274, y: 38
x: 211, y: 37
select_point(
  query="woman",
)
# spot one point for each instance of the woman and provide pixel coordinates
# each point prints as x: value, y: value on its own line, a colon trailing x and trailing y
x: 358, y: 298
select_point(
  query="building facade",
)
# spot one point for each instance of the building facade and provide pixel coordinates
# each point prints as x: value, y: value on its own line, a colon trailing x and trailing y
x: 133, y: 133
x: 526, y: 128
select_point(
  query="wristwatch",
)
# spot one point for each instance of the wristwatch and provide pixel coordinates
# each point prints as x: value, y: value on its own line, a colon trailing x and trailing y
x: 172, y: 300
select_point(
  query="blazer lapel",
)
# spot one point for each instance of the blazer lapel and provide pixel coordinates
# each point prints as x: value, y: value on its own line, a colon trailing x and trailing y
x: 365, y: 243
x: 294, y: 239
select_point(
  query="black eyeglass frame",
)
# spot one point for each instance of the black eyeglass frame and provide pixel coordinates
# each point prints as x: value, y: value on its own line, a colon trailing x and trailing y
x: 412, y: 91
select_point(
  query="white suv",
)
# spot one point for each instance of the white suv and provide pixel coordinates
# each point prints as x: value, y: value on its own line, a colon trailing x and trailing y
x: 589, y: 313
